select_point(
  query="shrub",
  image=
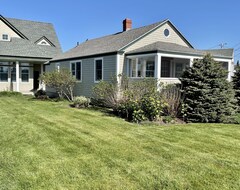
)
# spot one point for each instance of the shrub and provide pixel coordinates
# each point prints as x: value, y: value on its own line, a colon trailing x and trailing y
x: 149, y: 107
x: 139, y: 88
x: 171, y: 94
x: 152, y: 106
x: 81, y: 102
x: 41, y: 94
x: 126, y: 108
x: 9, y: 93
x: 62, y: 81
x: 106, y: 92
x: 209, y: 97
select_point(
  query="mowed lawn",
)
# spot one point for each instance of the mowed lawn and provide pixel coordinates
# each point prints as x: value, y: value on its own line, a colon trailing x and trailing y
x: 48, y: 145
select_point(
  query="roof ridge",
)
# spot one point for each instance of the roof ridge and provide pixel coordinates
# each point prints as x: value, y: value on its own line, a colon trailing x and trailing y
x: 28, y: 20
x: 156, y: 23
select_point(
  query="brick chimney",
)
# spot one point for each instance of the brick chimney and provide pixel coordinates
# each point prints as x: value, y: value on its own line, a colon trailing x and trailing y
x: 127, y: 24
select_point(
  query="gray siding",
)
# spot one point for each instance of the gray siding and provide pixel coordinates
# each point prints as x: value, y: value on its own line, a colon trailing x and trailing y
x: 84, y: 88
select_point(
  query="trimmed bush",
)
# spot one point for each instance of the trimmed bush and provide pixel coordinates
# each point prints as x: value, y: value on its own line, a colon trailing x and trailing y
x: 81, y: 102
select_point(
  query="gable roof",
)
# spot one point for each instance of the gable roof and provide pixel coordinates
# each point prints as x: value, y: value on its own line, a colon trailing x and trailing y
x: 175, y: 48
x: 111, y: 43
x: 31, y: 32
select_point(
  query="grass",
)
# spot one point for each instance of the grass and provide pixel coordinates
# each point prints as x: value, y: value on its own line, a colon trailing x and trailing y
x: 47, y: 145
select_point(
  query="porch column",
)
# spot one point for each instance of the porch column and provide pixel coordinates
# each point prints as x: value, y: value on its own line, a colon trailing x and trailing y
x: 17, y: 76
x: 191, y: 62
x: 158, y: 59
x: 42, y: 71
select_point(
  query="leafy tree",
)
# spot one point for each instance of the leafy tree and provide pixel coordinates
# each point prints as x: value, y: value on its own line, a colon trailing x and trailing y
x: 209, y: 97
x: 236, y: 83
x: 61, y: 81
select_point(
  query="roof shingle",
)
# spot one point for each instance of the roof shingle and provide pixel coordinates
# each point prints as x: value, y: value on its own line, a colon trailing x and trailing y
x: 27, y: 47
x: 175, y: 48
x: 107, y: 44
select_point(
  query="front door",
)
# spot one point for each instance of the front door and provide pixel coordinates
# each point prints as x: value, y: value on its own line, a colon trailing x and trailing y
x: 36, y: 80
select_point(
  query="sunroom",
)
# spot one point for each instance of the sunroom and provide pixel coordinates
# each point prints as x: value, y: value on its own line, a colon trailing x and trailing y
x: 167, y: 69
x: 167, y: 61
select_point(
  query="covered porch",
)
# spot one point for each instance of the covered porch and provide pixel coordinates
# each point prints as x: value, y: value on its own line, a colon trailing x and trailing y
x: 21, y: 75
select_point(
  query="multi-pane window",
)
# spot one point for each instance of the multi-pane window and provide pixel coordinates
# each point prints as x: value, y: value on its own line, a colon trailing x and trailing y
x: 4, y: 37
x: 3, y: 72
x: 179, y: 67
x: 76, y: 70
x: 150, y: 68
x: 25, y: 72
x: 98, y: 69
x: 142, y: 67
x: 165, y: 68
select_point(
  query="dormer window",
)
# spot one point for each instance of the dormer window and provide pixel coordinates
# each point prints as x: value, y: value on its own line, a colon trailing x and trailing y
x: 5, y: 37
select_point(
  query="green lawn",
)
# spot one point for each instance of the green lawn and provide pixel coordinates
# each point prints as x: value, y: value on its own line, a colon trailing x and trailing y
x: 47, y: 145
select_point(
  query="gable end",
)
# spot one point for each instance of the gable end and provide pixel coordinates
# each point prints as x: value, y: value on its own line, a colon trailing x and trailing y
x: 5, y: 21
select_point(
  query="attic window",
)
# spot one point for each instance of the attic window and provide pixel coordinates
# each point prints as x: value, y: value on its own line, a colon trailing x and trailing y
x: 5, y: 37
x: 166, y: 32
x: 43, y: 42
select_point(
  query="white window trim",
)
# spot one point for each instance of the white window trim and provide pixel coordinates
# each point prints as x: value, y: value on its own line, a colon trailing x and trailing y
x: 96, y: 59
x: 5, y: 39
x: 168, y: 34
x: 71, y: 62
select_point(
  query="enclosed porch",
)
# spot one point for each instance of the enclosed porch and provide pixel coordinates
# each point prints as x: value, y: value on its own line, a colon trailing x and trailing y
x: 165, y: 67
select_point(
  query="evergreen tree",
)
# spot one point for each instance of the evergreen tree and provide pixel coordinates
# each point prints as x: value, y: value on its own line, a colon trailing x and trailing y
x: 236, y: 83
x: 208, y: 96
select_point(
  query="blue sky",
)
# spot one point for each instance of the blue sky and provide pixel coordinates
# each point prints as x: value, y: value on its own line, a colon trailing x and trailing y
x: 205, y: 23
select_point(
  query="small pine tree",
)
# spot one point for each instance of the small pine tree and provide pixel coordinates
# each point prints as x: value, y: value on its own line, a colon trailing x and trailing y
x: 236, y: 83
x: 209, y: 97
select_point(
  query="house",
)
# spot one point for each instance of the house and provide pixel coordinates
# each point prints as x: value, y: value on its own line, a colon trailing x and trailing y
x: 24, y: 48
x: 158, y: 50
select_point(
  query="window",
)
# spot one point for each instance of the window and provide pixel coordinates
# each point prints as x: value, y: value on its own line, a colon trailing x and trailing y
x: 25, y: 72
x: 3, y: 72
x: 166, y: 32
x: 165, y: 68
x: 76, y: 70
x: 150, y: 68
x: 179, y: 68
x: 5, y: 37
x: 98, y: 70
x: 142, y: 67
x: 43, y: 43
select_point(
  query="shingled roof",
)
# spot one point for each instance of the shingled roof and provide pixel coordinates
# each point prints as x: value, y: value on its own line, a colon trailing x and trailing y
x: 107, y: 44
x: 175, y: 48
x: 30, y: 32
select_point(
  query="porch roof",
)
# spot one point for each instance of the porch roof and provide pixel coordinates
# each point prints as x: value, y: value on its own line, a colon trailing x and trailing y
x: 175, y: 48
